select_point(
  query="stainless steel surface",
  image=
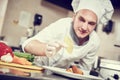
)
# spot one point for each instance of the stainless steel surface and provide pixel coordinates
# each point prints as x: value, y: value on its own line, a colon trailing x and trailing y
x: 109, y: 68
x: 7, y: 73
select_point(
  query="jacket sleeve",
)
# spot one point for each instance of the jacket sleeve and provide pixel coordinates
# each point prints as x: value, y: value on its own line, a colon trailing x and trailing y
x: 51, y: 32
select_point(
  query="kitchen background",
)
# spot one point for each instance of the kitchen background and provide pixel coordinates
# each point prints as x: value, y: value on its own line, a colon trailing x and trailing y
x: 17, y: 18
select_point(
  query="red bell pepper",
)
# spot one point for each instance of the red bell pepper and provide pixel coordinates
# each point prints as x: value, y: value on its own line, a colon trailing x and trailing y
x: 6, y: 53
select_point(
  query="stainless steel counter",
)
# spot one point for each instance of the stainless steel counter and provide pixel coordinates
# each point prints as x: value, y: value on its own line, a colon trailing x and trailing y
x: 12, y: 73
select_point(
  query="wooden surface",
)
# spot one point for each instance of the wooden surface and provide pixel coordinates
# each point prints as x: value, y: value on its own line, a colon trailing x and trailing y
x: 32, y: 67
x: 20, y: 69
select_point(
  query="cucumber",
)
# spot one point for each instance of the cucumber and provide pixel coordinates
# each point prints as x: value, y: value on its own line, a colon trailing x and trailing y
x: 28, y: 56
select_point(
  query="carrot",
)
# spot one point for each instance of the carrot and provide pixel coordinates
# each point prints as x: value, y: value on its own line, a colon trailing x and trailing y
x: 17, y: 60
x: 77, y: 70
x: 21, y: 61
x: 26, y: 61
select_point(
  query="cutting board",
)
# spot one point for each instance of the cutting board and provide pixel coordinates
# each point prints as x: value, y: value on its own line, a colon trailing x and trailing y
x: 19, y: 69
x: 21, y: 66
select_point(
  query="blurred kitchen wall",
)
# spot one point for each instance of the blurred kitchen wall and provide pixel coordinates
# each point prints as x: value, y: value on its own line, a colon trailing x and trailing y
x: 13, y: 31
x: 11, y: 28
x: 3, y: 7
x: 108, y: 48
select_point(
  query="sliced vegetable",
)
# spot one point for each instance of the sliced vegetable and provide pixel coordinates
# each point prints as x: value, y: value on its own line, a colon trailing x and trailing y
x: 7, y: 58
x: 22, y: 61
x: 28, y: 56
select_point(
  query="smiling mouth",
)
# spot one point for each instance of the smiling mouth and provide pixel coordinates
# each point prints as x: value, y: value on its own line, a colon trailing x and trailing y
x: 83, y: 32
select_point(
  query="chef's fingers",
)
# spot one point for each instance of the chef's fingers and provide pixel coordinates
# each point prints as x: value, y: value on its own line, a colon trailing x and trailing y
x: 50, y: 50
x: 49, y: 53
x: 54, y: 44
x: 62, y: 44
x: 50, y: 47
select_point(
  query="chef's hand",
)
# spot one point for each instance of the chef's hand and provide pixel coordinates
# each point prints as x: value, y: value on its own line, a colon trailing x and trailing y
x: 53, y: 47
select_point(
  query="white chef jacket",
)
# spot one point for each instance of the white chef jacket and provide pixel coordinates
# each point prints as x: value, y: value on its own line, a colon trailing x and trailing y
x: 84, y: 55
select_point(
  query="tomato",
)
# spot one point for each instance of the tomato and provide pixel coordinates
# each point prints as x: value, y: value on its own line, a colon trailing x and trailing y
x: 5, y: 49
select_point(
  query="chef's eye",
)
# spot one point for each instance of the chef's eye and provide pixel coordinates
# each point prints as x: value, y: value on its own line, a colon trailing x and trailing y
x: 82, y: 19
x: 92, y: 23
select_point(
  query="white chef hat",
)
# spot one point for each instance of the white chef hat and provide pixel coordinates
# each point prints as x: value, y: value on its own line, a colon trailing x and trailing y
x: 102, y: 8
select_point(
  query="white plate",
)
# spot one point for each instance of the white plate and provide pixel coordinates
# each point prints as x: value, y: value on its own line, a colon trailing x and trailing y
x: 70, y: 74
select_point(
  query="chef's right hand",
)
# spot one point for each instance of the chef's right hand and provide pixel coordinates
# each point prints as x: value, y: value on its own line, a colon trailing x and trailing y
x: 53, y: 47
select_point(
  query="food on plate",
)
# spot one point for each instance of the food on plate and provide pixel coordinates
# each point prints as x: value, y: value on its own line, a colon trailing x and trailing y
x: 69, y: 70
x: 75, y: 69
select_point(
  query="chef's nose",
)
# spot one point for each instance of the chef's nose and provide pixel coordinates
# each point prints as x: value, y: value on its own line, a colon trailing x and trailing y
x: 85, y: 26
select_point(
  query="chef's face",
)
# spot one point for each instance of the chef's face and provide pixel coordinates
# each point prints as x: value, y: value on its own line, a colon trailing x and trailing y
x: 84, y: 22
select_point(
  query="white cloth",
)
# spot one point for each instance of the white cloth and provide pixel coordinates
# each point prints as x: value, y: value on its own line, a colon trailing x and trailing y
x: 84, y: 54
x: 102, y: 8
